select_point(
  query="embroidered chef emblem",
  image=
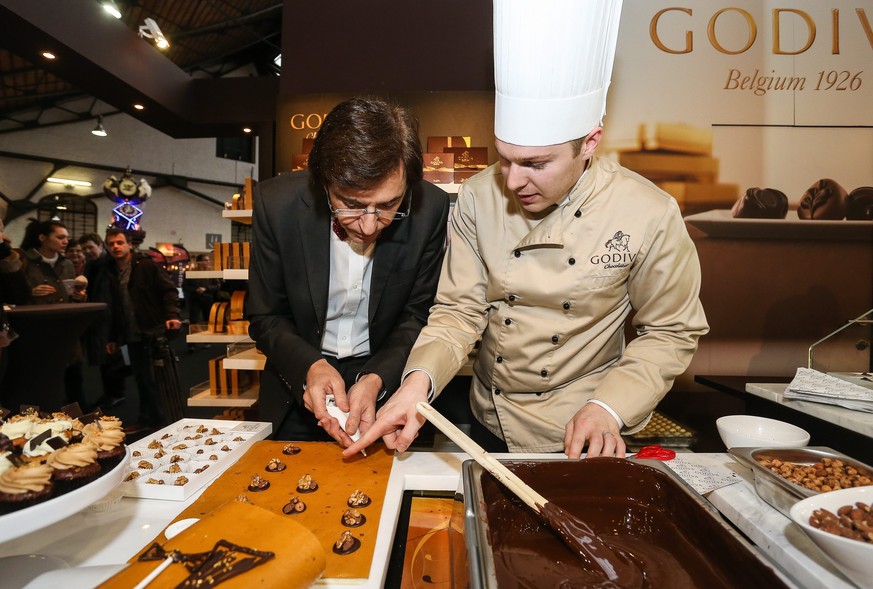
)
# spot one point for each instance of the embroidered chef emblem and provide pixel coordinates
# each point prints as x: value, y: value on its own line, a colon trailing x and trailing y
x: 619, y: 242
x: 618, y: 253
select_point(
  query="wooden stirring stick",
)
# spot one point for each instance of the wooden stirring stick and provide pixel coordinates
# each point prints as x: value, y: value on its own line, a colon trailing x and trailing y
x: 575, y: 533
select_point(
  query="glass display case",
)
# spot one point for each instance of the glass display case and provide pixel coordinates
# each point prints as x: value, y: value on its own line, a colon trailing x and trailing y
x: 845, y: 353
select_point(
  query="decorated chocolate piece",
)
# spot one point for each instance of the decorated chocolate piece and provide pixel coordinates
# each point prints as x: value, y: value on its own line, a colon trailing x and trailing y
x: 346, y: 544
x: 306, y: 484
x: 73, y: 410
x: 275, y: 465
x: 181, y: 481
x: 90, y: 417
x: 36, y: 441
x: 145, y: 464
x: 208, y: 569
x: 132, y: 476
x: 258, y: 484
x: 291, y: 450
x: 825, y: 199
x: 860, y: 207
x: 353, y: 518
x: 358, y: 499
x: 151, y: 481
x: 294, y: 506
x: 5, y: 443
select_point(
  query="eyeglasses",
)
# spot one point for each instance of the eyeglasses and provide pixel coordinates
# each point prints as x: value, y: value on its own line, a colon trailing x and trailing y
x: 380, y: 214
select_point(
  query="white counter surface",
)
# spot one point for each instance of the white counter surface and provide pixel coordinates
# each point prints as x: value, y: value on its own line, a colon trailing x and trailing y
x: 96, y: 544
x: 856, y: 421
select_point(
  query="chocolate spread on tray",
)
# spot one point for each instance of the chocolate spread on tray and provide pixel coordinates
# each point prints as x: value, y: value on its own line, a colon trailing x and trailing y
x: 658, y: 535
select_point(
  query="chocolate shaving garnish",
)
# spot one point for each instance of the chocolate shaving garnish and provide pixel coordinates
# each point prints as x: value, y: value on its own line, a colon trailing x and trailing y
x: 5, y: 443
x: 225, y: 562
x: 258, y: 484
x: 291, y: 450
x: 73, y: 410
x: 353, y: 518
x: 275, y: 465
x: 346, y: 544
x: 90, y: 417
x: 358, y: 499
x: 56, y: 442
x: 35, y: 442
x: 294, y: 506
x: 306, y: 484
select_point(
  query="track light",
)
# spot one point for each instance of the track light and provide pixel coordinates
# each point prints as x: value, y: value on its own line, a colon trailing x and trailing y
x: 68, y: 182
x: 151, y: 30
x: 110, y: 7
x: 99, y: 130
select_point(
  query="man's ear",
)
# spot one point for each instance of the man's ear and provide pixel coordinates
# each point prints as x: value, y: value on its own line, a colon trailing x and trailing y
x: 592, y: 140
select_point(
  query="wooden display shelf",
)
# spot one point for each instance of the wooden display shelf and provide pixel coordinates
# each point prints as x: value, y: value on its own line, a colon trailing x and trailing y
x: 249, y: 359
x: 235, y: 274
x: 208, y: 337
x: 240, y: 215
x: 202, y: 397
x: 203, y: 274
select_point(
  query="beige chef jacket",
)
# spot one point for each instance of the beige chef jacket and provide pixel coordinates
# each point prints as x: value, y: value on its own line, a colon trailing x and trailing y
x: 548, y: 294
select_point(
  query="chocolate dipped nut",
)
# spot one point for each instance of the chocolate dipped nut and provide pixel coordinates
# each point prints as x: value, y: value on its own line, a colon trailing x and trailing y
x: 306, y: 484
x: 353, y: 518
x: 761, y: 203
x: 860, y: 207
x: 358, y: 499
x: 290, y: 450
x: 346, y: 544
x: 258, y: 484
x: 294, y: 506
x: 275, y: 465
x: 825, y: 199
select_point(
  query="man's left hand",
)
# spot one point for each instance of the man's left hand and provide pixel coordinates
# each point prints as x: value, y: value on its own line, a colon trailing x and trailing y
x: 173, y: 324
x: 593, y: 424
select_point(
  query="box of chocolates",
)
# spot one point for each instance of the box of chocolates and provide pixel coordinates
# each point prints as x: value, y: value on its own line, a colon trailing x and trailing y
x: 437, y: 144
x: 439, y: 168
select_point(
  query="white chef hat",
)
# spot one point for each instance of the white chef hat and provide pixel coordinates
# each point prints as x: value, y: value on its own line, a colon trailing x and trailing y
x: 552, y: 67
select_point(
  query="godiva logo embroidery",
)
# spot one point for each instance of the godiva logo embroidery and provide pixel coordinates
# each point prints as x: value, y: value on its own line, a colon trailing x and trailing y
x: 618, y: 253
x: 436, y: 162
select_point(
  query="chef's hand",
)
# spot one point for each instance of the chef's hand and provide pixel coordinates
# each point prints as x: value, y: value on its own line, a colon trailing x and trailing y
x: 397, y: 422
x: 593, y: 424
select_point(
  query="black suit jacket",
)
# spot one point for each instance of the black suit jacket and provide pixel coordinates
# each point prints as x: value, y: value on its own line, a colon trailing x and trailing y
x: 289, y: 280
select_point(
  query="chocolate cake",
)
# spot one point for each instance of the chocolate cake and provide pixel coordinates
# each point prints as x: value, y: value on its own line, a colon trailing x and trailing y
x: 761, y: 203
x: 640, y: 513
x: 825, y: 199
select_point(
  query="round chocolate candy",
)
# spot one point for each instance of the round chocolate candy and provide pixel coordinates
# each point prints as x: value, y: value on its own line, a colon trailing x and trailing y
x: 761, y: 203
x: 306, y: 484
x: 353, y: 518
x: 825, y: 199
x: 290, y: 450
x: 860, y: 206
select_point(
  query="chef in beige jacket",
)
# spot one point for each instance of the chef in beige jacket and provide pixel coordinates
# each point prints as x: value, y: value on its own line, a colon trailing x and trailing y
x: 551, y: 250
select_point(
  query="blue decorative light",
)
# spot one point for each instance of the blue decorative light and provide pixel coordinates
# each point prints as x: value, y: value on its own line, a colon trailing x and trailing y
x: 126, y: 216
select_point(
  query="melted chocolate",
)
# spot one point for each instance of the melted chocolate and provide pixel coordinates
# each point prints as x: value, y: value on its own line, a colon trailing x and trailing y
x: 658, y: 536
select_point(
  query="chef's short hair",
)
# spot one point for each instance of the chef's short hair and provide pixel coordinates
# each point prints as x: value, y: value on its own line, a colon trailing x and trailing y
x: 361, y: 141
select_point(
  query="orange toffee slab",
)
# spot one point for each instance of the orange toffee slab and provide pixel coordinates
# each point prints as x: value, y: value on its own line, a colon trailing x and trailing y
x: 298, y: 562
x: 337, y: 479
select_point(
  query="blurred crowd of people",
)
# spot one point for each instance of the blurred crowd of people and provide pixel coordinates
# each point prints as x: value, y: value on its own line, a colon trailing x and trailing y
x: 142, y: 305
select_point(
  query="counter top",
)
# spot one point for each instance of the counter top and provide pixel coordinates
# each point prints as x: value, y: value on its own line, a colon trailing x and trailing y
x: 96, y: 543
x: 856, y: 421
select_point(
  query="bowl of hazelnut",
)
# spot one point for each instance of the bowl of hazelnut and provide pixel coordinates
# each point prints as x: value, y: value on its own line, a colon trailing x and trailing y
x: 840, y: 523
x: 751, y: 431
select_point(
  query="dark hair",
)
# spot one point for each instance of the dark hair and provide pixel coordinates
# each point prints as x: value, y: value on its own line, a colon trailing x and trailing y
x: 91, y: 237
x: 35, y: 228
x: 113, y: 231
x: 361, y: 141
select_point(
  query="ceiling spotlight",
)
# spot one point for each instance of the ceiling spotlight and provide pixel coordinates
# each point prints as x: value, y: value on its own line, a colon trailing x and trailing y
x: 151, y: 30
x: 247, y: 129
x: 139, y: 107
x: 99, y: 130
x: 68, y: 182
x: 48, y: 55
x: 110, y: 7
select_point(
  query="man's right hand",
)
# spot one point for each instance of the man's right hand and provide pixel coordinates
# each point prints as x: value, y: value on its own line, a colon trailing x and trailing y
x: 397, y: 422
x: 322, y: 379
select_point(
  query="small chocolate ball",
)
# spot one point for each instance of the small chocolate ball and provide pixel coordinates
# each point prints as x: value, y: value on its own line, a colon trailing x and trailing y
x: 860, y: 206
x: 761, y: 203
x: 825, y: 199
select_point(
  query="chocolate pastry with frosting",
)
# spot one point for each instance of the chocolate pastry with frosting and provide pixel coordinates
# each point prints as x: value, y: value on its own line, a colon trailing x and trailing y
x: 825, y: 200
x: 761, y: 203
x: 860, y: 207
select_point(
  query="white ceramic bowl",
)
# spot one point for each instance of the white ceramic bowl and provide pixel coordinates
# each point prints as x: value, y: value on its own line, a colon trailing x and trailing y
x: 852, y: 557
x: 750, y: 431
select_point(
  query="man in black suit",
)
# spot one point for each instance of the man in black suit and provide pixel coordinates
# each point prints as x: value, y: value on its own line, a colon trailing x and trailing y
x: 345, y: 262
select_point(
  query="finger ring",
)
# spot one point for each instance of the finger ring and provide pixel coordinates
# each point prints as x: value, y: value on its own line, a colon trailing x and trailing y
x: 607, y: 433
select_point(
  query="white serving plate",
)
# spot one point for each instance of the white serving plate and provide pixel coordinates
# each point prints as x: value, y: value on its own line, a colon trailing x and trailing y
x: 721, y: 223
x: 21, y: 522
x: 252, y: 431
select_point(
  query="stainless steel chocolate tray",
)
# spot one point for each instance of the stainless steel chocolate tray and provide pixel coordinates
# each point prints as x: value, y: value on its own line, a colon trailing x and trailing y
x: 778, y: 491
x: 636, y: 505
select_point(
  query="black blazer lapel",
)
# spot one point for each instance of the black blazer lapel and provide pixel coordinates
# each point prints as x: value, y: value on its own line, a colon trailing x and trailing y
x: 314, y: 226
x: 389, y: 248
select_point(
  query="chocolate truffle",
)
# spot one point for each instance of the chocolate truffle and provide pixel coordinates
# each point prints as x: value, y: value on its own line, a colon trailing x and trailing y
x: 860, y: 206
x: 825, y: 199
x: 761, y: 203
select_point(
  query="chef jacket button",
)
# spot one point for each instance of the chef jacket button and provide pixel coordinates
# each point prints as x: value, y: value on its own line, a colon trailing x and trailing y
x: 577, y: 214
x: 511, y: 297
x: 508, y: 321
x: 554, y: 339
x: 566, y: 305
x: 544, y: 373
x: 500, y: 359
x: 572, y: 261
x: 516, y: 253
x: 497, y: 391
